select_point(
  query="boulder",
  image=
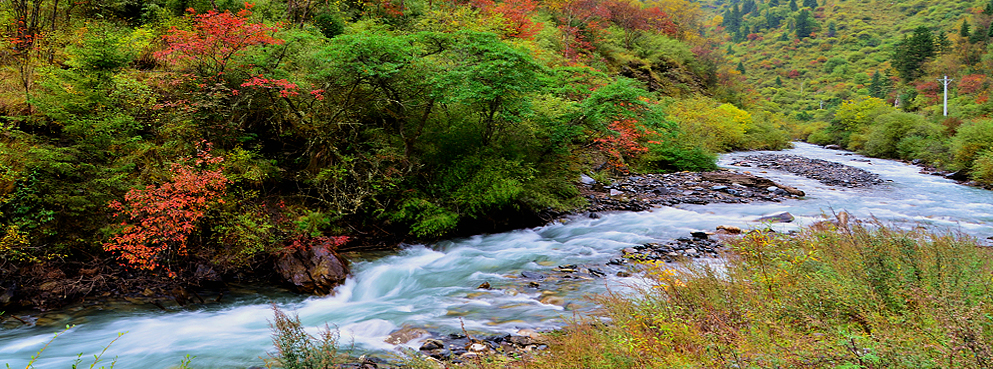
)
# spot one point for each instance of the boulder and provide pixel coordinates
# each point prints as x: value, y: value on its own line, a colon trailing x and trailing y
x: 832, y: 147
x: 739, y: 178
x: 784, y: 217
x: 405, y: 335
x: 314, y: 270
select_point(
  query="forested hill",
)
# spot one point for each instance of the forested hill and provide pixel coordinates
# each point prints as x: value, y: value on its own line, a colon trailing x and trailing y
x: 864, y: 74
x: 176, y: 137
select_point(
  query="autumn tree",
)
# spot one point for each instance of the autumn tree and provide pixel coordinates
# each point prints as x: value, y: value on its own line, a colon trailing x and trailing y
x: 158, y: 220
x: 214, y: 40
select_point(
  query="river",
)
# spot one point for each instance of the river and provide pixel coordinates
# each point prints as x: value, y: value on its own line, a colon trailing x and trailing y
x: 435, y: 286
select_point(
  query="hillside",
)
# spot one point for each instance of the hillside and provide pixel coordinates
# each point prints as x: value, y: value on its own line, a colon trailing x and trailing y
x: 823, y: 62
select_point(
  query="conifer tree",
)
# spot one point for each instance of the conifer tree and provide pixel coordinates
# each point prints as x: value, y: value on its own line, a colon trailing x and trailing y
x: 773, y: 3
x: 793, y: 6
x: 964, y: 29
x: 832, y: 30
x: 741, y: 67
x: 876, y: 86
x: 810, y: 4
x: 804, y: 24
x: 910, y: 54
x: 779, y: 82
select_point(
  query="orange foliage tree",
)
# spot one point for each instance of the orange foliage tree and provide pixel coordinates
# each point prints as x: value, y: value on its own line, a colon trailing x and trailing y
x: 215, y: 39
x: 159, y: 219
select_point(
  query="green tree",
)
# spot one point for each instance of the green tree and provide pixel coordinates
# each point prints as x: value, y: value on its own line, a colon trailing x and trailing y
x: 964, y: 29
x: 804, y: 24
x: 773, y: 3
x: 832, y: 29
x: 912, y: 52
x: 812, y: 4
x: 878, y: 87
x: 793, y: 6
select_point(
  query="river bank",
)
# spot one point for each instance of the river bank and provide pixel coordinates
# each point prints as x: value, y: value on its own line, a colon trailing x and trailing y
x: 436, y: 286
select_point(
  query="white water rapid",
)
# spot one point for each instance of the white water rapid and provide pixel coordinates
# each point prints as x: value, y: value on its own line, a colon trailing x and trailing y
x: 433, y: 286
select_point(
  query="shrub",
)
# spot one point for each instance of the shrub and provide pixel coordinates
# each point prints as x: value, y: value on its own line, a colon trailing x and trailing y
x: 898, y: 135
x: 982, y: 167
x: 297, y: 349
x: 970, y: 140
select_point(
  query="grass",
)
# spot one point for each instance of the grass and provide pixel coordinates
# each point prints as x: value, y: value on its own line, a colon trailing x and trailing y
x: 867, y: 296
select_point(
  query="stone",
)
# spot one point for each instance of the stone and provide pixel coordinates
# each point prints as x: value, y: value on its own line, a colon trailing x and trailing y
x: 532, y: 275
x: 958, y: 176
x: 784, y: 217
x: 629, y: 251
x: 432, y: 344
x: 616, y: 193
x: 552, y: 300
x: 484, y: 286
x: 315, y: 270
x: 699, y: 235
x: 729, y: 229
x: 832, y: 147
x: 585, y: 179
x: 623, y: 274
x: 478, y: 347
x: 405, y: 335
x: 533, y: 284
x: 594, y: 215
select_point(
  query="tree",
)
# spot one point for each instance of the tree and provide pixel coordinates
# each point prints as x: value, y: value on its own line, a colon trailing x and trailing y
x: 912, y: 52
x: 160, y: 219
x: 216, y: 38
x: 741, y: 67
x: 810, y: 4
x: 773, y: 3
x: 964, y: 29
x: 879, y: 86
x: 779, y: 82
x: 804, y: 24
x: 793, y: 6
x: 832, y: 30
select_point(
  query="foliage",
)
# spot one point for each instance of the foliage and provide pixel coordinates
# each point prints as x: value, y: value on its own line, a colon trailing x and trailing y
x: 159, y: 219
x: 894, y: 135
x: 214, y: 40
x: 297, y: 349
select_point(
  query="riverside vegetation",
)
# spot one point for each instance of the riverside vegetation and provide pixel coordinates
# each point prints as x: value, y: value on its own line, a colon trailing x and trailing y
x: 155, y: 146
x: 163, y: 145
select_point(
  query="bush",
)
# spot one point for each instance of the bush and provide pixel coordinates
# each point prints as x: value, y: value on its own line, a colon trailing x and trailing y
x: 982, y: 167
x: 971, y: 139
x: 674, y: 158
x: 297, y: 349
x: 898, y: 135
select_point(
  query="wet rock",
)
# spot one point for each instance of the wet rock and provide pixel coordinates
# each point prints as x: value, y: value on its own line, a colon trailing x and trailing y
x: 533, y: 284
x: 729, y: 229
x: 532, y: 275
x: 594, y: 216
x: 484, y: 286
x: 623, y: 274
x: 958, y: 176
x: 784, y: 217
x: 587, y: 180
x: 405, y: 335
x: 552, y: 300
x: 832, y: 147
x: 699, y: 235
x: 314, y: 270
x: 432, y: 344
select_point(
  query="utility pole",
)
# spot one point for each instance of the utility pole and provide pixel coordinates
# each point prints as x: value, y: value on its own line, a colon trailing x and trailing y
x: 945, y: 81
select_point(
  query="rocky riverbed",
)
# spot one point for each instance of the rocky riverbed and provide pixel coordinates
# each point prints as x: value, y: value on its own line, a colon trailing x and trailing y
x: 827, y: 172
x: 642, y: 192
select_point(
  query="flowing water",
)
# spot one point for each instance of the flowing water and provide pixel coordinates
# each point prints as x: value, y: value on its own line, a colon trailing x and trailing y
x: 435, y: 286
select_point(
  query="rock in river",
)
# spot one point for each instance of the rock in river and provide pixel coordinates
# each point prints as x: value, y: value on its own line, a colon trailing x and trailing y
x: 315, y: 270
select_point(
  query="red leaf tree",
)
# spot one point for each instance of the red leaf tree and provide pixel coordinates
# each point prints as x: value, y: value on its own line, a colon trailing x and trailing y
x: 215, y: 39
x: 160, y: 219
